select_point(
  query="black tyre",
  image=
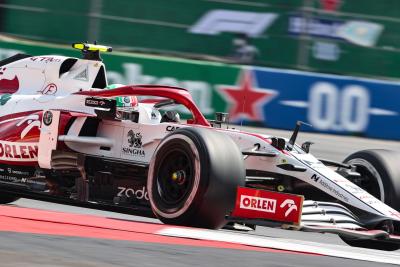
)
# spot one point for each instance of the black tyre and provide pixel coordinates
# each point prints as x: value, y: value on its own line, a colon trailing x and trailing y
x: 6, y: 198
x: 380, y: 172
x: 193, y: 177
x: 372, y: 244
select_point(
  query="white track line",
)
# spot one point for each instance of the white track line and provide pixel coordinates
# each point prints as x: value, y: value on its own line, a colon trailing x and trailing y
x: 285, y: 244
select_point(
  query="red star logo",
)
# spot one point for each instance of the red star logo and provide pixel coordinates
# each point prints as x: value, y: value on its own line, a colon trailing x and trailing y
x: 330, y: 5
x: 246, y: 99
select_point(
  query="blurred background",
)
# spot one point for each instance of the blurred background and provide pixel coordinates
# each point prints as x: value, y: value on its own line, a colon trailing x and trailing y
x: 269, y: 63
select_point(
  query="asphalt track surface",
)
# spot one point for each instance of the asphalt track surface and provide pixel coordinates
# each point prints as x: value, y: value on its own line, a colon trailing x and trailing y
x: 32, y: 235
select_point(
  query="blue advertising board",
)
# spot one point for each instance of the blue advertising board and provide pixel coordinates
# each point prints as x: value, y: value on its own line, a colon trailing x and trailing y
x: 331, y: 103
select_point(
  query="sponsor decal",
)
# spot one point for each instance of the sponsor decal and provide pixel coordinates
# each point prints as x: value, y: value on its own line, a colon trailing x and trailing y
x: 8, y: 86
x: 13, y: 151
x: 134, y: 139
x: 45, y: 59
x: 292, y: 207
x: 18, y: 180
x: 257, y: 203
x: 358, y: 32
x: 246, y: 99
x: 38, y: 182
x: 341, y: 183
x: 50, y: 89
x: 94, y: 102
x: 216, y: 21
x: 315, y: 178
x: 318, y: 27
x: 171, y: 128
x: 32, y: 121
x: 47, y: 118
x: 83, y: 76
x: 132, y: 193
x: 135, y: 145
x: 329, y: 186
x: 12, y: 171
x: 126, y: 101
x: 10, y: 179
x: 99, y: 103
x: 354, y: 189
x: 358, y: 192
x: 260, y: 204
x: 354, y: 114
x: 133, y: 152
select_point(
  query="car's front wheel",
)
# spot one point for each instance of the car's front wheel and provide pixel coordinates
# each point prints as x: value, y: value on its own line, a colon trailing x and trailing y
x: 193, y: 177
x: 380, y: 174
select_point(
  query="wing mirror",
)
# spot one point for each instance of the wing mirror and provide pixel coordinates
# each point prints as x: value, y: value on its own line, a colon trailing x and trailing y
x: 220, y: 118
x: 306, y: 146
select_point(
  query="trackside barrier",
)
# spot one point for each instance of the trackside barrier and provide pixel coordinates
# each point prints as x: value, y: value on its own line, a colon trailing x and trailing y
x: 265, y: 97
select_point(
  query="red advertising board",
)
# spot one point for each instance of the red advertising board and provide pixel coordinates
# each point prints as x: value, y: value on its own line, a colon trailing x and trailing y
x: 261, y: 204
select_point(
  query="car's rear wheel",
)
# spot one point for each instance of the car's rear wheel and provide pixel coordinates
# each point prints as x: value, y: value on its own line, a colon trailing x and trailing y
x: 193, y: 177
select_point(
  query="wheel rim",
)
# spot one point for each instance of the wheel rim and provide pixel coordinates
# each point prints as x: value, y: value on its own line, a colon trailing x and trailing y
x: 372, y: 182
x: 169, y: 144
x: 175, y: 177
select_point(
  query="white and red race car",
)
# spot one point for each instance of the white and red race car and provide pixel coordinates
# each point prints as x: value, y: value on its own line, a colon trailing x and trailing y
x: 66, y: 137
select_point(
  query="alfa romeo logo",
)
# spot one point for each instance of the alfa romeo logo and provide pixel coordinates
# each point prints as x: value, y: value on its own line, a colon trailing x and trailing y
x: 134, y: 139
x: 47, y: 118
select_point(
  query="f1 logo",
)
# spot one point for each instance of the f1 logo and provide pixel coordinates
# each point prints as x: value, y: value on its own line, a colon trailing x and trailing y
x: 216, y: 21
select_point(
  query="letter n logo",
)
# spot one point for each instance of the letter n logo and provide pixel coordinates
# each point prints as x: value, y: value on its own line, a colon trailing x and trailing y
x: 315, y: 178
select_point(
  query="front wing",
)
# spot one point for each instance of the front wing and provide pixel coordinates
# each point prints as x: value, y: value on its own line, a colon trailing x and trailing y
x: 288, y: 211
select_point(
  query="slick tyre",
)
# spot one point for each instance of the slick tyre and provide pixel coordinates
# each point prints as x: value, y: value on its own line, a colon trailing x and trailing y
x: 380, y: 170
x: 372, y: 244
x: 193, y: 177
x: 6, y: 198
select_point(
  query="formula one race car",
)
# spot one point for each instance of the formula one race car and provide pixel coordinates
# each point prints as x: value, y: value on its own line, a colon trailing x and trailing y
x: 67, y: 137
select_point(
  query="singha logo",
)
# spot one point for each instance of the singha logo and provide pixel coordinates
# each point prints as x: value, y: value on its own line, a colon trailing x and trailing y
x: 134, y: 139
